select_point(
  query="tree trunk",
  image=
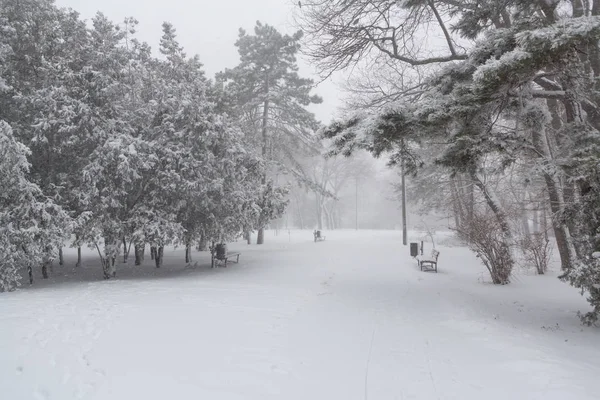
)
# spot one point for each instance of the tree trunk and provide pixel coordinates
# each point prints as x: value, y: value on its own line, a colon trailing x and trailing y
x: 113, y: 267
x: 265, y: 136
x: 139, y: 251
x: 524, y: 219
x: 561, y: 230
x: 111, y: 250
x: 158, y: 256
x: 188, y: 253
x: 404, y: 221
x: 153, y: 252
x: 248, y: 237
x: 536, y: 219
x: 61, y: 259
x: 319, y: 209
x: 570, y: 199
x: 30, y: 273
x: 578, y: 9
x: 107, y: 267
x: 557, y: 205
x: 125, y: 251
x: 545, y: 221
x: 455, y: 207
x: 471, y: 201
x: 78, y: 257
x: 493, y: 204
x: 456, y: 219
x: 327, y: 218
x: 45, y: 270
x: 203, y: 243
x: 260, y: 236
x: 299, y: 211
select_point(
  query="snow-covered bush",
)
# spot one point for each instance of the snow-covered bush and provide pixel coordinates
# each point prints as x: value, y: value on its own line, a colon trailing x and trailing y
x: 484, y: 236
x: 585, y: 275
x: 537, y: 251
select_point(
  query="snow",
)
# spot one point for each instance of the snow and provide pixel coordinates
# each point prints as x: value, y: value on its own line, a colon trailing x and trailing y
x: 348, y: 318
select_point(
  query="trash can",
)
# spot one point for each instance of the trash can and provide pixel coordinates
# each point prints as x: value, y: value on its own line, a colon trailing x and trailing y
x: 414, y: 249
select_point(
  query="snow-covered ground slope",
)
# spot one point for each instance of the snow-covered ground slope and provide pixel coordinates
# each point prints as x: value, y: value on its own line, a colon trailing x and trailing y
x: 348, y: 318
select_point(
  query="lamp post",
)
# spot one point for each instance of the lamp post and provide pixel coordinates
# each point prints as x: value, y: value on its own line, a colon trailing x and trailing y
x: 356, y: 201
x: 404, y: 230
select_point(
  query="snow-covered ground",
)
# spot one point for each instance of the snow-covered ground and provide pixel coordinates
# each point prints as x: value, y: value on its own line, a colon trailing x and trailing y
x: 348, y: 318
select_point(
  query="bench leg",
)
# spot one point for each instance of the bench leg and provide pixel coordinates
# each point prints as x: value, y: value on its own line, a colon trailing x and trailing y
x: 238, y: 259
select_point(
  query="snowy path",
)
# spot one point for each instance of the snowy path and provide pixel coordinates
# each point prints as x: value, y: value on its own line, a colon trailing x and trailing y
x: 348, y: 318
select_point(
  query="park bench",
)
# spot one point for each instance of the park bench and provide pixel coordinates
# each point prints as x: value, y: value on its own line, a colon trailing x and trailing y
x: 219, y: 254
x: 430, y: 264
x: 318, y: 236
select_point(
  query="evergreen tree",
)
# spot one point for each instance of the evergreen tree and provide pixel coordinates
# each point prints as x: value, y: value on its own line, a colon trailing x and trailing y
x: 32, y: 227
x: 270, y: 99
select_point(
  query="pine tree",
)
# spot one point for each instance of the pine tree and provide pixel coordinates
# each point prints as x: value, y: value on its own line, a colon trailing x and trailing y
x: 271, y: 99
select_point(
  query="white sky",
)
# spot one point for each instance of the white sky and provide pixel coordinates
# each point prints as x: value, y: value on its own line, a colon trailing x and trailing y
x: 209, y: 28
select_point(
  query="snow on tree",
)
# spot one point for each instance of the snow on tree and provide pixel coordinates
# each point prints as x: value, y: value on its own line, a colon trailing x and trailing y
x: 137, y: 149
x: 216, y: 176
x: 514, y: 92
x: 467, y: 95
x: 31, y: 225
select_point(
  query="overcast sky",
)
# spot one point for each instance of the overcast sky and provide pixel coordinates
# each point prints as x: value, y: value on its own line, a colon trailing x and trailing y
x: 208, y: 28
